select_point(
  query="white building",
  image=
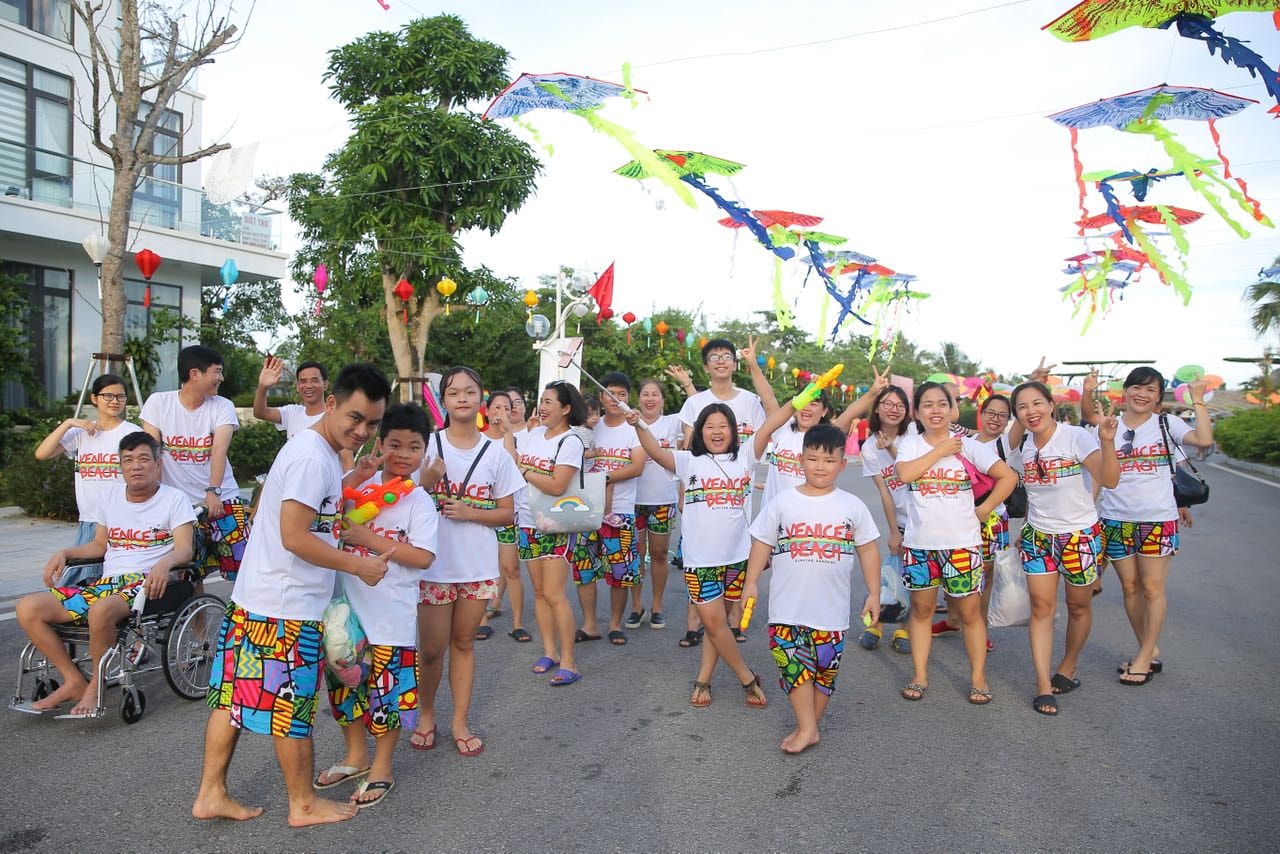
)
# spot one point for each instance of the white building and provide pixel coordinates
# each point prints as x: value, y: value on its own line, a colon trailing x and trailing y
x: 54, y: 192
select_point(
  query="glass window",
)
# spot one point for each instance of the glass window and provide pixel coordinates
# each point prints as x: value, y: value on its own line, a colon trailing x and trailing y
x: 35, y: 133
x: 137, y: 323
x: 48, y: 324
x: 50, y: 17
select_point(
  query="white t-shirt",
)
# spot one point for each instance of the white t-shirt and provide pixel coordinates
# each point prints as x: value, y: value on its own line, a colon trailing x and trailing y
x: 814, y: 540
x: 716, y: 487
x: 1145, y: 491
x: 97, y: 460
x: 539, y: 452
x: 139, y: 534
x: 880, y: 462
x: 294, y: 419
x: 1061, y: 501
x: 388, y: 611
x: 187, y: 436
x: 940, y: 508
x: 745, y: 404
x: 614, y: 449
x: 469, y: 550
x: 783, y: 455
x: 273, y: 581
x: 656, y: 485
x: 1000, y: 509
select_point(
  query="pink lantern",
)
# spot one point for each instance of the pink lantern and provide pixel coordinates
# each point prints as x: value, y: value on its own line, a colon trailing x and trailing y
x: 321, y: 281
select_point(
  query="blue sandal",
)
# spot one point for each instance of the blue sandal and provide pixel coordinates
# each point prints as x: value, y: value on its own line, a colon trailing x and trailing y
x: 542, y: 665
x: 564, y: 677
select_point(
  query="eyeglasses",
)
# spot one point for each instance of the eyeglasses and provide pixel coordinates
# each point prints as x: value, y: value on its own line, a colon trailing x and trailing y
x: 1127, y: 447
x: 892, y: 405
x: 111, y: 398
x: 721, y: 357
x: 999, y: 416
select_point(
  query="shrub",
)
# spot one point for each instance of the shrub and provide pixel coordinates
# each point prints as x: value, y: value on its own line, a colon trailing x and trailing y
x: 42, y: 489
x: 1252, y: 434
x: 253, y: 449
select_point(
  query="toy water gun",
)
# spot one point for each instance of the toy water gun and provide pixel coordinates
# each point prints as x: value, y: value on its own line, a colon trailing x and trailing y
x: 373, y: 499
x: 866, y: 619
x: 747, y: 608
x: 813, y: 389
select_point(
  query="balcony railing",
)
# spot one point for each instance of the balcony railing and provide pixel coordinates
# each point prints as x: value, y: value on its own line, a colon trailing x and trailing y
x: 67, y: 182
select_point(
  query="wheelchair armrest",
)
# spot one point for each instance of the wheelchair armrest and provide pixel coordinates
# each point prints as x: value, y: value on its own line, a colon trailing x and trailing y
x: 83, y: 561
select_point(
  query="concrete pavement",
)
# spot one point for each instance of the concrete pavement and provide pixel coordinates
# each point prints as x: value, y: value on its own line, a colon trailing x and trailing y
x: 620, y: 762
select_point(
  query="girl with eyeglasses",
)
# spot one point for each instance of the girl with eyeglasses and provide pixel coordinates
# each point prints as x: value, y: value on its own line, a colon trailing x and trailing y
x: 993, y: 418
x: 94, y: 446
x: 943, y: 539
x: 1062, y: 536
x: 888, y: 423
x: 1139, y: 515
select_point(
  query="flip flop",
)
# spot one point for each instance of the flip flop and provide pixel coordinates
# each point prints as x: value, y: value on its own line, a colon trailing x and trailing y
x: 1147, y: 676
x: 384, y: 786
x: 484, y: 633
x: 520, y: 635
x: 1157, y: 666
x: 348, y: 772
x: 564, y: 677
x: 753, y: 700
x: 421, y: 743
x: 1063, y: 684
x: 980, y: 696
x: 583, y: 637
x: 474, y: 751
x: 618, y: 638
x: 542, y: 665
x: 916, y: 689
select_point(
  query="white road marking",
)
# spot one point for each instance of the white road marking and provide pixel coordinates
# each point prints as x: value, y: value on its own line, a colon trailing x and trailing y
x: 12, y: 615
x: 1239, y: 473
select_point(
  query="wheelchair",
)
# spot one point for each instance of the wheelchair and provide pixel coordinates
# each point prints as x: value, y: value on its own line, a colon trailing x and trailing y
x: 177, y: 633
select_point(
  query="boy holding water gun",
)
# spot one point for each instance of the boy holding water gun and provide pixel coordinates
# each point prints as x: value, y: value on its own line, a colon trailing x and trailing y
x: 812, y: 532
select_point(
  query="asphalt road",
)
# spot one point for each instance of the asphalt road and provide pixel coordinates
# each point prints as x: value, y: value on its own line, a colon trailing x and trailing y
x: 620, y: 761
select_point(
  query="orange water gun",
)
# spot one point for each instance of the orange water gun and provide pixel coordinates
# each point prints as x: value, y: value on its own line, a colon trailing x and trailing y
x: 373, y: 498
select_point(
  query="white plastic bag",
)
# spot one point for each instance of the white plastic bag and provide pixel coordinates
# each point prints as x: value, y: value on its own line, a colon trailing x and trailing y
x: 894, y: 598
x: 1010, y: 602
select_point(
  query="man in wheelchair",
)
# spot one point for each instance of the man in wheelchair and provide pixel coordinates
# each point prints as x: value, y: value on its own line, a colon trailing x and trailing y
x: 143, y: 530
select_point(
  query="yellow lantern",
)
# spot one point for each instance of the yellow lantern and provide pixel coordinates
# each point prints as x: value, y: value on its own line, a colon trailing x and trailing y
x: 531, y: 301
x: 446, y: 287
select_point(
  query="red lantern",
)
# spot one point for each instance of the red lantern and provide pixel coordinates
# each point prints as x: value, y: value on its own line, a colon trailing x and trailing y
x: 148, y: 262
x: 604, y: 314
x: 404, y: 291
x: 628, y: 319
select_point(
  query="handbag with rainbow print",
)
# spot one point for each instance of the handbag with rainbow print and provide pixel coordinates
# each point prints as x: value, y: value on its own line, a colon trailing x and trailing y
x: 578, y: 509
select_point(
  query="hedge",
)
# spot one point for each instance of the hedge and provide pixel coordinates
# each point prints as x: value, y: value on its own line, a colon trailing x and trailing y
x: 1251, y: 434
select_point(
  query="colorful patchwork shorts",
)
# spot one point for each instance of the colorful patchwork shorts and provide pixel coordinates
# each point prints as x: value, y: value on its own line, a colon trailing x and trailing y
x: 803, y: 654
x: 995, y: 536
x: 618, y: 551
x: 220, y: 542
x: 446, y: 593
x: 387, y: 699
x: 77, y: 600
x: 655, y: 518
x: 1074, y: 555
x: 957, y: 571
x: 1146, y: 539
x: 709, y: 583
x: 577, y: 549
x: 266, y: 673
x: 507, y: 535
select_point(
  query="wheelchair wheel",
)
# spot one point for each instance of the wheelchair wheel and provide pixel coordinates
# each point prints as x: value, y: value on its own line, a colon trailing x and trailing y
x: 192, y: 644
x: 134, y: 706
x: 43, y: 688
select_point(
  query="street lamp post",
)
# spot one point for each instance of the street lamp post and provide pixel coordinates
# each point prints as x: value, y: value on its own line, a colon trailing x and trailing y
x: 549, y: 340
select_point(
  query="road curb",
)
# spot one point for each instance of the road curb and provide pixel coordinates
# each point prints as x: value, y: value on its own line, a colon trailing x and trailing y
x: 1260, y: 469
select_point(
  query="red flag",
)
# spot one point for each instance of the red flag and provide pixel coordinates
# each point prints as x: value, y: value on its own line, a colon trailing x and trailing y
x: 602, y: 293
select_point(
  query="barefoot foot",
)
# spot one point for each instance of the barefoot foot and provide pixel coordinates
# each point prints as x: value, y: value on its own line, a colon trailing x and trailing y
x: 321, y: 811
x: 70, y: 693
x: 798, y: 742
x: 224, y: 806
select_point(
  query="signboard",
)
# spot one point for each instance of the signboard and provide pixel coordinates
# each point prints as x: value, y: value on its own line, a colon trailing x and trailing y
x: 256, y: 231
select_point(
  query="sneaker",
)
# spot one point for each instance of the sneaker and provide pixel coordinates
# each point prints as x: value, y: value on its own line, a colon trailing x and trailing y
x: 901, y: 641
x: 870, y: 639
x: 657, y: 621
x: 634, y: 619
x: 942, y: 627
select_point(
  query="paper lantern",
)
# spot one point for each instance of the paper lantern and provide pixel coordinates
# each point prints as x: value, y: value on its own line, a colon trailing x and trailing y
x: 531, y: 300
x: 148, y: 262
x: 446, y: 287
x: 404, y: 291
x: 662, y: 333
x: 479, y: 298
x: 229, y: 274
x: 321, y: 280
x: 628, y: 318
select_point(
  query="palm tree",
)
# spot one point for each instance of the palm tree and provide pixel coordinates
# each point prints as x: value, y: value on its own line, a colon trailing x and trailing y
x: 1265, y: 296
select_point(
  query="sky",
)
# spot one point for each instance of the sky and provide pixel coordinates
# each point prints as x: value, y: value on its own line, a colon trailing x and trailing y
x: 921, y: 140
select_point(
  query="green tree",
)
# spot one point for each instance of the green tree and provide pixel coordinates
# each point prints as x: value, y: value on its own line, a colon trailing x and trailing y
x: 1265, y: 297
x: 15, y: 338
x: 950, y: 359
x: 419, y: 168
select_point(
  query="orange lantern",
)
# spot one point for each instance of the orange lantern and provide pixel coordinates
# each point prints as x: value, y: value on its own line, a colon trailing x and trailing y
x: 662, y: 332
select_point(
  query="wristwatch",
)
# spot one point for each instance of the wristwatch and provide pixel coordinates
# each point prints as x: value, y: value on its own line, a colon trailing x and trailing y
x: 213, y: 489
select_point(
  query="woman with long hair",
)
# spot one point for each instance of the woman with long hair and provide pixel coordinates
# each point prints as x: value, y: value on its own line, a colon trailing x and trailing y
x: 501, y: 423
x: 656, y: 496
x: 474, y: 494
x: 890, y: 415
x: 549, y: 456
x: 1062, y: 536
x: 943, y: 539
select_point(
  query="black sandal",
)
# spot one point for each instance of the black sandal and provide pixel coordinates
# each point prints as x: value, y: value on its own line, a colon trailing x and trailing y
x: 1157, y: 666
x: 754, y: 690
x: 1063, y: 684
x: 1046, y: 704
x: 690, y: 639
x: 520, y: 635
x: 1147, y: 676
